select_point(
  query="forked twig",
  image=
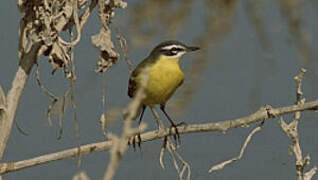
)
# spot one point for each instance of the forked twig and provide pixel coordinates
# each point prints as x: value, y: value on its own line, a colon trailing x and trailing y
x: 172, y: 149
x: 247, y: 140
x: 175, y: 157
x: 291, y: 130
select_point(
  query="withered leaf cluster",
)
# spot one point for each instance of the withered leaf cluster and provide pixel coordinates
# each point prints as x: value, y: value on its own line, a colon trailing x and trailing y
x: 45, y: 20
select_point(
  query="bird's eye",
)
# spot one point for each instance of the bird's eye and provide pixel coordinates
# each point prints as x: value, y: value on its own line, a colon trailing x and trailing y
x: 172, y: 52
x: 174, y: 49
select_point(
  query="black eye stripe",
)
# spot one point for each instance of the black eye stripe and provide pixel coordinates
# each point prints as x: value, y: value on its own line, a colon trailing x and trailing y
x: 176, y: 49
x: 172, y: 51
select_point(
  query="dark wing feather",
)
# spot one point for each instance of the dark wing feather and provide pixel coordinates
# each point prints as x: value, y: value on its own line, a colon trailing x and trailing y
x: 133, y: 84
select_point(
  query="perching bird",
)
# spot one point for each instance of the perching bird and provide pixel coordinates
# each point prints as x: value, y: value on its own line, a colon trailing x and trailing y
x: 165, y: 76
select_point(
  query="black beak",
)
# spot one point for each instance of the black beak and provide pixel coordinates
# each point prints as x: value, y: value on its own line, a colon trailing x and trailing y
x: 189, y: 49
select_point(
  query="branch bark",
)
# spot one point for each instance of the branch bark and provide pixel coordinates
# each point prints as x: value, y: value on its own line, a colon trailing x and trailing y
x: 223, y: 126
x: 14, y: 94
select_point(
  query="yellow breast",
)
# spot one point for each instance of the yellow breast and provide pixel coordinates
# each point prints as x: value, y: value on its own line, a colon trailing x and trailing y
x: 164, y: 78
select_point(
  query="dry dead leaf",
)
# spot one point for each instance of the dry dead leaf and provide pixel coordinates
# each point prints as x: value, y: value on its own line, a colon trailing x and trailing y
x: 108, y: 55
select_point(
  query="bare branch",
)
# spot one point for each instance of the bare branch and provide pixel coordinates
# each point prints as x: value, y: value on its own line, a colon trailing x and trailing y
x: 3, y: 104
x: 14, y: 94
x: 85, y: 149
x: 262, y: 114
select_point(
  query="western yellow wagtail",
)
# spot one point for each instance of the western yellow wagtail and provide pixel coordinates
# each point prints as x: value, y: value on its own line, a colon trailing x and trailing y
x: 165, y: 76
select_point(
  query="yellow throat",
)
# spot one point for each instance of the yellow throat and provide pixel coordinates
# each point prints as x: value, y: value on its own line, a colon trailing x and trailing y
x: 165, y: 77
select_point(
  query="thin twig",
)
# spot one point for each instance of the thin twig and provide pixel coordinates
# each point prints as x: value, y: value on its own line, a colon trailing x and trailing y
x: 120, y: 144
x: 81, y: 176
x: 123, y: 46
x: 47, y: 92
x: 175, y: 157
x: 225, y: 163
x: 161, y: 129
x: 43, y: 88
x: 73, y: 102
x: 20, y: 129
x: 103, y: 116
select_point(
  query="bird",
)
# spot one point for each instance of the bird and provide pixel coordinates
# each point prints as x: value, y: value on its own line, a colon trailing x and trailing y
x: 164, y: 78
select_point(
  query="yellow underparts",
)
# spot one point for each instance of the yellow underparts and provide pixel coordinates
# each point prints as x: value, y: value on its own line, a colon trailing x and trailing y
x: 165, y: 76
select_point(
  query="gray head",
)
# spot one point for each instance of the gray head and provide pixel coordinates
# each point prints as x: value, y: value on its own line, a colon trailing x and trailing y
x: 172, y: 49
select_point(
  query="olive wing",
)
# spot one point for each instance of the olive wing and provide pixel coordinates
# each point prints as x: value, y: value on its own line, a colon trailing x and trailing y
x: 133, y: 84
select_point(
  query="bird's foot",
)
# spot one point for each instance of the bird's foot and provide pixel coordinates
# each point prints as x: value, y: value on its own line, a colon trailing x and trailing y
x: 176, y: 135
x: 135, y: 140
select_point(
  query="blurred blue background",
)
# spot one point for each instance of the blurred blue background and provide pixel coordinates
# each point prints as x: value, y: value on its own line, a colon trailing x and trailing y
x: 251, y: 50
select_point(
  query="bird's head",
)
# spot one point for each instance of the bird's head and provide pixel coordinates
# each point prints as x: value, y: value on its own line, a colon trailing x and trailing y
x: 172, y: 49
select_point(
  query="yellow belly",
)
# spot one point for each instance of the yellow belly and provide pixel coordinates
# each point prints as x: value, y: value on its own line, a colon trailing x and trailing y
x: 164, y: 78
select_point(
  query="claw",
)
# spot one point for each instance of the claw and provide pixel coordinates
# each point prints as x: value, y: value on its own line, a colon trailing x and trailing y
x: 133, y: 141
x: 139, y: 140
x: 164, y: 144
x: 138, y: 135
x: 176, y: 135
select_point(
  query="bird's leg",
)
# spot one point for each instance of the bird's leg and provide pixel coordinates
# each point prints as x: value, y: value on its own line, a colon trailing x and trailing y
x: 138, y: 135
x: 176, y: 136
